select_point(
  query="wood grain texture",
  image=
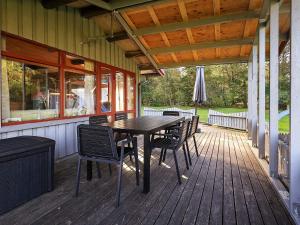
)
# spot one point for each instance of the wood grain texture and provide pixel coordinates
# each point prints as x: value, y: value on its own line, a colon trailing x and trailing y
x: 224, y: 185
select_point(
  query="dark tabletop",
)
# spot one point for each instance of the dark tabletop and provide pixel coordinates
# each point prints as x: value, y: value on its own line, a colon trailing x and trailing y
x: 145, y: 124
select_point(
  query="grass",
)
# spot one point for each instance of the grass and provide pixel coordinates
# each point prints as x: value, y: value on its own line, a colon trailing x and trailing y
x: 203, y: 115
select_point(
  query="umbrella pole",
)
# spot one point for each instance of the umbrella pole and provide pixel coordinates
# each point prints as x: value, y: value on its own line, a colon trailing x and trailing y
x: 196, y: 109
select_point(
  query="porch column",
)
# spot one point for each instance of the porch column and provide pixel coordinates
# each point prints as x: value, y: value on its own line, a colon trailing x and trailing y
x: 254, y: 95
x: 250, y: 106
x: 274, y: 68
x: 262, y: 94
x: 295, y: 111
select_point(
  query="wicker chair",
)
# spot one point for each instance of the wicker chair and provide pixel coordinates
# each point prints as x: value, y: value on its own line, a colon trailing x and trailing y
x: 174, y: 143
x: 170, y: 113
x: 98, y: 120
x: 121, y: 116
x: 191, y: 133
x: 96, y: 143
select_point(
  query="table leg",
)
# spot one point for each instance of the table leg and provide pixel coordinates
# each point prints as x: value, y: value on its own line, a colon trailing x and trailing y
x: 147, y: 151
x: 89, y: 170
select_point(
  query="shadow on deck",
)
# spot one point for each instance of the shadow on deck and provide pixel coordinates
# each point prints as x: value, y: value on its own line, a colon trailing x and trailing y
x: 225, y: 185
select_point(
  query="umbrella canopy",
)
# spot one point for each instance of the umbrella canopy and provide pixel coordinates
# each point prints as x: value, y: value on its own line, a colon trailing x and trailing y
x: 199, y: 89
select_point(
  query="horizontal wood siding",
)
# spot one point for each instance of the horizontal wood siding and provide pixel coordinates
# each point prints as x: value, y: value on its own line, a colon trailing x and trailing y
x: 62, y: 28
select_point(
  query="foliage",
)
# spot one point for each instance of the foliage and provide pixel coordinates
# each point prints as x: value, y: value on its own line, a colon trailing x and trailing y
x: 226, y: 85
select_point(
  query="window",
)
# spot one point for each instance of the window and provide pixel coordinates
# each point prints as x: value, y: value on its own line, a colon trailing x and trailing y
x: 130, y: 92
x: 120, y: 84
x: 79, y: 94
x: 29, y: 91
x: 106, y: 90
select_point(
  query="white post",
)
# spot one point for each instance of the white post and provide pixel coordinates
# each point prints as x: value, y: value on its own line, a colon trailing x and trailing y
x: 274, y: 70
x: 261, y: 92
x: 295, y: 111
x: 254, y: 95
x: 249, y: 114
x: 0, y: 64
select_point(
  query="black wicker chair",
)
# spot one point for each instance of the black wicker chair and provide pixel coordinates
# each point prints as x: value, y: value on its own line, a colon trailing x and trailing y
x: 96, y: 143
x: 170, y: 113
x: 121, y: 116
x: 191, y: 133
x: 98, y: 120
x: 174, y: 143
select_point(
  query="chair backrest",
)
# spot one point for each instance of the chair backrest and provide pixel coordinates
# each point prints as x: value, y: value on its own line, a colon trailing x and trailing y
x: 183, y: 132
x: 170, y: 113
x: 96, y: 141
x: 98, y: 120
x: 121, y: 116
x: 194, y: 125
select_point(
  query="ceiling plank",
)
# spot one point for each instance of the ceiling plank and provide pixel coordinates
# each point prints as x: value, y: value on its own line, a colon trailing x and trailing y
x: 205, y: 62
x: 163, y: 34
x: 51, y: 4
x: 189, y: 33
x: 217, y: 27
x: 142, y: 40
x: 203, y: 45
x: 197, y: 22
x: 247, y: 27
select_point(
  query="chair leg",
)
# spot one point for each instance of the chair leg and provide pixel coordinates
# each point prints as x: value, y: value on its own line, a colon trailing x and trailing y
x: 188, y: 152
x: 195, y: 143
x: 78, y: 176
x: 161, y: 156
x: 164, y: 156
x: 120, y: 166
x: 130, y: 156
x: 137, y: 167
x: 185, y: 157
x: 98, y: 170
x: 110, y: 170
x: 177, y: 168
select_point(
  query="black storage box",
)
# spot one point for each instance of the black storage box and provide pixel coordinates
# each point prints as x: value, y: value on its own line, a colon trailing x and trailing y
x: 26, y: 169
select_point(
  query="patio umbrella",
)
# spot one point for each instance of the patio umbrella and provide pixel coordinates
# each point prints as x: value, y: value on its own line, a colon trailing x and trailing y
x: 199, y: 96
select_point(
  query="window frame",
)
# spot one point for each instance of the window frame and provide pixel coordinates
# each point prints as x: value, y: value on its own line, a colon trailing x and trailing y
x: 62, y: 67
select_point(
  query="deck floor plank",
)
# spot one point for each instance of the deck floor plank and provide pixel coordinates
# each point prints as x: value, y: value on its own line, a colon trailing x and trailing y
x: 225, y: 185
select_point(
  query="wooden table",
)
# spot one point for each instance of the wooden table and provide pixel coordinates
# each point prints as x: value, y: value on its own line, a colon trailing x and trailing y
x: 146, y: 126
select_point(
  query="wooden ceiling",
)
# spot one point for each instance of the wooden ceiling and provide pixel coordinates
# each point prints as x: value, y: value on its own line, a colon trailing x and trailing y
x: 189, y: 32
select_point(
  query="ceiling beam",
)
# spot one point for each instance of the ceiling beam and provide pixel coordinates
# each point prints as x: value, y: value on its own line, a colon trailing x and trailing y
x: 101, y: 4
x: 92, y: 11
x: 146, y: 67
x: 204, y: 45
x: 124, y: 24
x: 51, y: 4
x: 197, y: 22
x: 137, y: 53
x: 205, y: 62
x: 119, y: 36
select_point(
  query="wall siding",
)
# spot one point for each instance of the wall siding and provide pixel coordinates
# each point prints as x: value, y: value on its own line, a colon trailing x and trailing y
x: 65, y: 29
x: 62, y: 28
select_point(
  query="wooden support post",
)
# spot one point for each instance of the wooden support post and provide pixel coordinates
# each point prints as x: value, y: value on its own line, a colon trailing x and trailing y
x: 295, y: 112
x: 274, y: 68
x: 250, y: 106
x: 261, y: 88
x: 254, y: 95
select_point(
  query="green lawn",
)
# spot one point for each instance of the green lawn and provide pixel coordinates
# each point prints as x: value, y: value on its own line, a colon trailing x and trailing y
x: 203, y: 114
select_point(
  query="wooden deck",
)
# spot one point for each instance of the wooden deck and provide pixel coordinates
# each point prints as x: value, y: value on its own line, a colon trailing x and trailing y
x: 225, y: 185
